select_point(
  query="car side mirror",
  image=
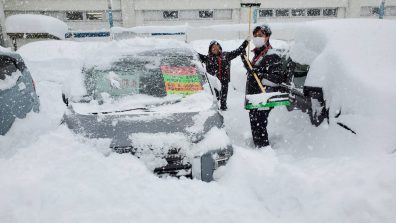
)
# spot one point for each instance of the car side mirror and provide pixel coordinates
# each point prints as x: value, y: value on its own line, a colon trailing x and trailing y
x: 65, y: 99
x: 66, y: 93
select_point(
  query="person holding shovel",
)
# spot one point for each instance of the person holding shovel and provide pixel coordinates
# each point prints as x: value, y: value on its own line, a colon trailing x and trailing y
x: 266, y: 65
x: 218, y: 64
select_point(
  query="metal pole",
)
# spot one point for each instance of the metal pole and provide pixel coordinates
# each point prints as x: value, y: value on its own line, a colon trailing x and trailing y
x: 255, y: 16
x: 382, y: 9
x: 110, y: 12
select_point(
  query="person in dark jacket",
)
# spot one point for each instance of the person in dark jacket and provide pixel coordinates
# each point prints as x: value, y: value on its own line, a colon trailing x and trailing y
x: 267, y: 65
x: 218, y: 64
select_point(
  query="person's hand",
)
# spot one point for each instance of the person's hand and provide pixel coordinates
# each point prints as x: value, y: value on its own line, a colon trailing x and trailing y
x: 248, y: 38
x: 255, y: 70
x: 245, y: 44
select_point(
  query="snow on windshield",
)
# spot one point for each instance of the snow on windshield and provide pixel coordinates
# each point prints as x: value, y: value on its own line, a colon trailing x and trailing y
x: 10, y: 80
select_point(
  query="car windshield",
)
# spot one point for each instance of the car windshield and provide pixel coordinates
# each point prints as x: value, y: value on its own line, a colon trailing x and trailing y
x: 7, y: 67
x: 146, y: 75
x: 149, y: 81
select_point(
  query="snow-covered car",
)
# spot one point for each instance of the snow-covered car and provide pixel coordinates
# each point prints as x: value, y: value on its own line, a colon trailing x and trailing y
x: 157, y: 105
x: 302, y: 95
x: 17, y: 91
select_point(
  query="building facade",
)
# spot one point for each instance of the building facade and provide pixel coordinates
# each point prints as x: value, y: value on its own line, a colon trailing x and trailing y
x: 92, y: 15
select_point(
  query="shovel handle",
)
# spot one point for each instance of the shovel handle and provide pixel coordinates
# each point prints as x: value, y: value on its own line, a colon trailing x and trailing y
x: 254, y: 74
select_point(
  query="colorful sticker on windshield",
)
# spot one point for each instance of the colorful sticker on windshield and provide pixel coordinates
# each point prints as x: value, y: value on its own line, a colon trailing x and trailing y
x: 181, y: 80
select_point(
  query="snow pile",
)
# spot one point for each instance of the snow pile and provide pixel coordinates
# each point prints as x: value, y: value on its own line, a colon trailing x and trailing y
x: 36, y: 24
x: 10, y: 80
x: 214, y: 139
x: 3, y: 49
x: 354, y: 61
x: 199, y: 121
x: 322, y: 174
x: 151, y: 151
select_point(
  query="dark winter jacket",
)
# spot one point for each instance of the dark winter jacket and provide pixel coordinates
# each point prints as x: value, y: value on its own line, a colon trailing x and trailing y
x: 212, y: 62
x: 268, y: 68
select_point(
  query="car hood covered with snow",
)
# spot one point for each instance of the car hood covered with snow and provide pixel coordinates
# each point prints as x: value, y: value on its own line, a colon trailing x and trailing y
x: 144, y: 91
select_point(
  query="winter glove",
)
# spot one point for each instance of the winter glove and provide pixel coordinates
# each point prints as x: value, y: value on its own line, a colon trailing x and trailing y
x: 245, y: 44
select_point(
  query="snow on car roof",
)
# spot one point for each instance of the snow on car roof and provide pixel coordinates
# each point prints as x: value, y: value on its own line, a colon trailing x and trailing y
x: 353, y: 60
x: 27, y: 23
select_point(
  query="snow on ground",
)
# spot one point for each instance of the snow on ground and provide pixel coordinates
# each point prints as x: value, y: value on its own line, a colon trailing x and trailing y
x: 323, y: 174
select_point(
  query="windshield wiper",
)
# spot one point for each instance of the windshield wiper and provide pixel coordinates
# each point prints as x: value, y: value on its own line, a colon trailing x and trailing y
x: 170, y: 102
x: 119, y: 111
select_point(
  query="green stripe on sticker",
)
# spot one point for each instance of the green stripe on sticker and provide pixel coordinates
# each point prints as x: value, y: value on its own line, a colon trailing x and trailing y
x: 267, y: 105
x: 181, y: 79
x: 181, y: 92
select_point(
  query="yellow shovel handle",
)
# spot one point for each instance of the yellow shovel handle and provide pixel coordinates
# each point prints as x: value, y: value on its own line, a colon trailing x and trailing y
x: 255, y: 75
x: 250, y: 28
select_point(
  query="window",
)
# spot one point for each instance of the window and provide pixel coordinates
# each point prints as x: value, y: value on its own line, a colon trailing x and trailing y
x: 7, y: 67
x: 298, y: 12
x: 282, y: 12
x: 330, y: 12
x: 94, y: 16
x: 205, y: 14
x: 170, y: 14
x: 313, y: 12
x: 266, y: 13
x: 74, y: 15
x: 374, y: 11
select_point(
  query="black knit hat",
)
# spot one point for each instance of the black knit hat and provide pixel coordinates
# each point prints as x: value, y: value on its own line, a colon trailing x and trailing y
x: 263, y: 28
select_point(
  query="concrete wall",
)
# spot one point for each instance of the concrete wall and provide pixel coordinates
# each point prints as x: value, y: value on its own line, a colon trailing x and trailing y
x: 354, y: 9
x: 132, y: 13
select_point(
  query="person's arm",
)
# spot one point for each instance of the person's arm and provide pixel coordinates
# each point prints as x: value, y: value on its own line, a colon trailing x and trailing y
x: 233, y: 54
x: 202, y: 58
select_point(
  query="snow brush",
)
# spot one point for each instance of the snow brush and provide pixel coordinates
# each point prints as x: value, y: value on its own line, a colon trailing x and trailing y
x: 264, y: 99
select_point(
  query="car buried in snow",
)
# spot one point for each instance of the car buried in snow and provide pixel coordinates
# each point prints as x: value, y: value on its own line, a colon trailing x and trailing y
x: 17, y: 91
x: 156, y: 104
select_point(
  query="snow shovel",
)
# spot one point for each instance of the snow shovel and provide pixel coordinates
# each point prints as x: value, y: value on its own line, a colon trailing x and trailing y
x: 264, y: 99
x: 250, y: 5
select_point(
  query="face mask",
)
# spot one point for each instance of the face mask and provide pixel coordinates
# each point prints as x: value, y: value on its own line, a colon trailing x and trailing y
x: 258, y: 42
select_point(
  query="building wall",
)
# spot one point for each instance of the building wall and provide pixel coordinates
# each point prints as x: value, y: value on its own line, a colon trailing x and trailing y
x: 358, y: 8
x: 129, y: 13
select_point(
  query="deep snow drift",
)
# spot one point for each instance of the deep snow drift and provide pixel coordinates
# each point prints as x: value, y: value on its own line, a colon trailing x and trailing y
x: 323, y: 174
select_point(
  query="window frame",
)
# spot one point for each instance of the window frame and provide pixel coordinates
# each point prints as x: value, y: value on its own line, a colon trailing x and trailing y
x: 335, y: 10
x: 211, y: 13
x: 74, y: 12
x: 262, y: 13
x: 314, y: 9
x: 102, y: 16
x: 304, y: 12
x: 167, y: 14
x: 284, y: 10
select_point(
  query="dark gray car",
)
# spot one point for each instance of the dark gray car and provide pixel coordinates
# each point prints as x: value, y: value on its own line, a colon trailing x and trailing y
x: 17, y: 91
x: 156, y: 105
